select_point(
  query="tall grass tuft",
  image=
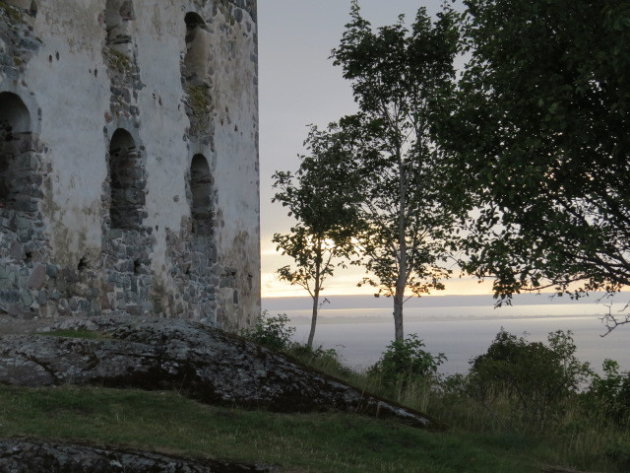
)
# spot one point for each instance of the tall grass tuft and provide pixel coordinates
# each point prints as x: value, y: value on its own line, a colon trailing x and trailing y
x: 518, y: 395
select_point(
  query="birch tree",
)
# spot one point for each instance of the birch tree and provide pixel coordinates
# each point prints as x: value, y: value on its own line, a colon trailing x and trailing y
x: 320, y: 196
x: 398, y: 77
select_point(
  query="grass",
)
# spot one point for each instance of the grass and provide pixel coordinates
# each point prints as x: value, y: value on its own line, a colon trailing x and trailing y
x: 84, y: 334
x: 317, y: 443
x: 580, y: 437
x: 488, y: 438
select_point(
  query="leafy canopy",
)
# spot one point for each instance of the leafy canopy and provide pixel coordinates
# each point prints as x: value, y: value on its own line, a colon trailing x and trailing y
x: 319, y: 196
x: 539, y: 134
x: 398, y: 75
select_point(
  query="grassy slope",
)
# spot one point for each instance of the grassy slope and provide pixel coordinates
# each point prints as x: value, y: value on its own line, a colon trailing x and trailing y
x: 325, y: 443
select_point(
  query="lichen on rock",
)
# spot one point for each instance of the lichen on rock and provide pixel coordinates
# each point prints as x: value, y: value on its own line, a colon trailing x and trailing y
x: 204, y: 363
x: 29, y: 456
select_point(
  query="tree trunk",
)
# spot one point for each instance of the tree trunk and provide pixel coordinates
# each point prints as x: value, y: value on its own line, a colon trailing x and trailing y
x: 311, y: 335
x: 316, y: 289
x: 399, y: 299
x: 401, y: 280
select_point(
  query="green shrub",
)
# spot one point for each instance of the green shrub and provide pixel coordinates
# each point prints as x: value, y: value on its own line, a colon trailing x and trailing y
x: 325, y: 360
x: 272, y: 332
x: 618, y: 454
x: 531, y: 377
x: 312, y: 355
x: 406, y: 361
x: 623, y: 402
x: 275, y: 333
x: 610, y: 393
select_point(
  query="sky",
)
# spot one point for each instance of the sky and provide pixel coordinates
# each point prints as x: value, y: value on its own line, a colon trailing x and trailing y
x: 299, y: 86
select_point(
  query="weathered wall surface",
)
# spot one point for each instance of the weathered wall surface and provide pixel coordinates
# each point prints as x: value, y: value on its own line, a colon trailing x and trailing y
x: 129, y: 159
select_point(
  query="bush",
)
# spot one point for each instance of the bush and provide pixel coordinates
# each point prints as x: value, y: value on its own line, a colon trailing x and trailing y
x: 313, y: 355
x: 610, y: 394
x: 275, y: 333
x: 325, y: 360
x: 406, y: 361
x: 534, y: 378
x: 623, y: 402
x: 272, y: 332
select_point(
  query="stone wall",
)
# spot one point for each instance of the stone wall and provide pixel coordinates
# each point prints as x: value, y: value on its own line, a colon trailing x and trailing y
x: 129, y: 159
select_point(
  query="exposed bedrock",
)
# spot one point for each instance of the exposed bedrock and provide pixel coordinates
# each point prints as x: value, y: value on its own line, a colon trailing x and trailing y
x: 202, y: 362
x: 22, y: 456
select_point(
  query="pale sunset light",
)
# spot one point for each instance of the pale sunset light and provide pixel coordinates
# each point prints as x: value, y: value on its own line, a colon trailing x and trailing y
x: 222, y: 223
x: 308, y: 90
x: 300, y: 86
x: 345, y: 281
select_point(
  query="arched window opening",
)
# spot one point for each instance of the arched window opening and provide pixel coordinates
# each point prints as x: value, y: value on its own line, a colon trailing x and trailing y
x: 196, y: 59
x: 14, y: 115
x: 201, y: 188
x: 126, y: 182
x: 118, y: 14
x: 15, y: 141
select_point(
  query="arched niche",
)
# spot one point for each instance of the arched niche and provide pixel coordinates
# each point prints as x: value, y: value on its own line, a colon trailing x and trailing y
x: 13, y: 114
x: 16, y: 176
x: 126, y: 181
x: 196, y: 58
x: 201, y: 189
x: 118, y: 14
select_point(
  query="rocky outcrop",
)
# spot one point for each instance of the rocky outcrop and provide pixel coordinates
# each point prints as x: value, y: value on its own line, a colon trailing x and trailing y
x: 22, y: 456
x: 202, y: 362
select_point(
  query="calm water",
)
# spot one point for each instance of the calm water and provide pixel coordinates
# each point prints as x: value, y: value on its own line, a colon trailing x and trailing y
x: 360, y: 328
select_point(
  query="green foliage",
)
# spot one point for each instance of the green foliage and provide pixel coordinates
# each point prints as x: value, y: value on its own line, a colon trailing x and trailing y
x: 536, y: 379
x: 520, y: 396
x: 325, y: 360
x: 574, y: 429
x: 539, y: 144
x: 489, y: 436
x: 398, y: 77
x: 165, y: 422
x: 275, y: 333
x: 321, y: 193
x: 320, y: 196
x: 85, y: 334
x: 618, y: 454
x: 312, y: 257
x: 405, y: 361
x: 610, y: 393
x: 272, y: 332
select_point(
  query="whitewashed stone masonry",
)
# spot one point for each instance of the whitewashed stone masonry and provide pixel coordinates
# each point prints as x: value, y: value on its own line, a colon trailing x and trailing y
x: 129, y: 176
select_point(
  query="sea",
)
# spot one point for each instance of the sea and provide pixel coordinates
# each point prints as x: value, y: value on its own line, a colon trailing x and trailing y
x: 359, y: 328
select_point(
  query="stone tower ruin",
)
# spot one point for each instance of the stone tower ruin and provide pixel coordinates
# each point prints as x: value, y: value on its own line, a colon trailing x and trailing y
x: 129, y: 159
